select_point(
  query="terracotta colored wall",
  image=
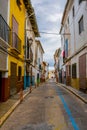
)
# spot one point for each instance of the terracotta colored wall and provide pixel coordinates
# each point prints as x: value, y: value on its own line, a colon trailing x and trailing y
x: 5, y: 89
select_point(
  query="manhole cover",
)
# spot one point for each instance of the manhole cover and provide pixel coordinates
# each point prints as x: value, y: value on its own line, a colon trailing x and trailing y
x: 49, y: 97
x: 42, y: 126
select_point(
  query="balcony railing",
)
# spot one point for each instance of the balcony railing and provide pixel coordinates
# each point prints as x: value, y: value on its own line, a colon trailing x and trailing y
x: 29, y: 57
x: 16, y: 42
x: 4, y: 30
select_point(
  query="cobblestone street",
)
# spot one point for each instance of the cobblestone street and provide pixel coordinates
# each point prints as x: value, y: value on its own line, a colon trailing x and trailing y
x: 43, y: 109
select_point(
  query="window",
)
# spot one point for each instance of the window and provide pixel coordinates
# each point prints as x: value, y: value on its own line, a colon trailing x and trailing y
x: 73, y: 11
x: 68, y: 70
x: 27, y: 48
x: 74, y: 70
x: 81, y: 26
x: 66, y: 48
x: 68, y: 20
x: 80, y: 1
x: 19, y: 73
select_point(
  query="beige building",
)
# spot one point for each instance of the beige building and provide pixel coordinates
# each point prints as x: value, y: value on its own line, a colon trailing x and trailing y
x: 39, y: 51
x: 51, y: 74
x: 31, y: 32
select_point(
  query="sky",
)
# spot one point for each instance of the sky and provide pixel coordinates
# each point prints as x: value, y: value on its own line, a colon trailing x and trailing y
x: 49, y: 15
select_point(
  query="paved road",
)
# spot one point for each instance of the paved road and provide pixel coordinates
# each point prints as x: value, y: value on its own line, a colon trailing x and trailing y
x: 48, y: 107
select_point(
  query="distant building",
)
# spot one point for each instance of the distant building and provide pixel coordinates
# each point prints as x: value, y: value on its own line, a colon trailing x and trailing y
x: 39, y: 51
x: 45, y: 71
x: 58, y: 65
x: 51, y: 74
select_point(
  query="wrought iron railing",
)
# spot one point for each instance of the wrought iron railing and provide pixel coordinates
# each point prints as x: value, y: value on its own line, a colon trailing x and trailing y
x: 16, y: 42
x: 5, y: 30
x: 29, y: 57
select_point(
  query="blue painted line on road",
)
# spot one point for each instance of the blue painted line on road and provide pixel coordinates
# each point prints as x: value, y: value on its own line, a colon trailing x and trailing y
x: 74, y: 124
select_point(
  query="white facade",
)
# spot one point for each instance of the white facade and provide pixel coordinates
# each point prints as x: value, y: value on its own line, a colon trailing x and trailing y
x: 31, y: 32
x: 74, y: 26
x: 38, y: 60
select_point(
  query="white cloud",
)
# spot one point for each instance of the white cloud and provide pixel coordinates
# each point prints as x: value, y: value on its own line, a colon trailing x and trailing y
x: 55, y: 17
x: 51, y: 68
x: 48, y: 15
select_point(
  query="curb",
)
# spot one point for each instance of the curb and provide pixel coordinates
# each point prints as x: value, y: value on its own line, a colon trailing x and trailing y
x: 80, y: 97
x: 7, y: 114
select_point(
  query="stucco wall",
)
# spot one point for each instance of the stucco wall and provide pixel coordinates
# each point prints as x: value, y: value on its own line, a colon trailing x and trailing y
x: 4, y: 9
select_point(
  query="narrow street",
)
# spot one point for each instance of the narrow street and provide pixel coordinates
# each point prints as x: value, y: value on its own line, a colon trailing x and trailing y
x: 48, y: 107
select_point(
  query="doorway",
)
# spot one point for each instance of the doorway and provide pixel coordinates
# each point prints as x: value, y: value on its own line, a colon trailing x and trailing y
x: 0, y: 86
x: 13, y: 78
x: 82, y: 72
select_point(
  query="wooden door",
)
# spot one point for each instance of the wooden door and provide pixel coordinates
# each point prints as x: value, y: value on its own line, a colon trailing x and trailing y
x: 13, y: 79
x: 82, y: 72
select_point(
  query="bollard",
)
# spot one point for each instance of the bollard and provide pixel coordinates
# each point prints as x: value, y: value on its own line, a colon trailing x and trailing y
x: 21, y: 95
x: 35, y: 85
x: 38, y: 84
x: 30, y: 89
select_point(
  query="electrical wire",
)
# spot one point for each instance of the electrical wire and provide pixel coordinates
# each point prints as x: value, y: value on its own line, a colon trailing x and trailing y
x: 50, y: 32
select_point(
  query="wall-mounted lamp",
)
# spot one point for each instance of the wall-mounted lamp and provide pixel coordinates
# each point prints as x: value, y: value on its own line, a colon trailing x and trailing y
x: 30, y: 41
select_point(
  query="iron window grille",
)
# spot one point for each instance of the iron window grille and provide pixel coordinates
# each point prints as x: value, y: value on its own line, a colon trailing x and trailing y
x: 81, y: 25
x: 74, y: 75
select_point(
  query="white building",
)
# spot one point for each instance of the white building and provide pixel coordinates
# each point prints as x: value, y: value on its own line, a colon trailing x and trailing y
x: 31, y: 30
x: 39, y: 51
x: 74, y: 43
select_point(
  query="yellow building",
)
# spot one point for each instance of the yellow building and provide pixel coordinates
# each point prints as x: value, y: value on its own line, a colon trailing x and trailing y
x: 16, y: 50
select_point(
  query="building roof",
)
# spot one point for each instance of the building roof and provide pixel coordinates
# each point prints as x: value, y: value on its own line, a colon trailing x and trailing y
x: 32, y: 19
x: 64, y: 15
x: 68, y: 3
x: 57, y: 52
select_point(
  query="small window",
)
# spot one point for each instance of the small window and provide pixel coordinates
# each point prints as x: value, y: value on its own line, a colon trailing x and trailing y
x: 74, y: 70
x: 69, y: 70
x: 73, y: 11
x: 68, y: 20
x: 19, y: 73
x: 81, y: 26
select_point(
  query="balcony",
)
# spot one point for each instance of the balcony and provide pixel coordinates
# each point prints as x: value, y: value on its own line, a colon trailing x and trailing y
x: 5, y: 32
x: 16, y: 44
x: 29, y: 57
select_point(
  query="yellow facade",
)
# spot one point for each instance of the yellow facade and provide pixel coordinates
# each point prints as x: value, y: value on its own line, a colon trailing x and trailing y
x: 75, y: 83
x: 16, y: 51
x: 19, y: 15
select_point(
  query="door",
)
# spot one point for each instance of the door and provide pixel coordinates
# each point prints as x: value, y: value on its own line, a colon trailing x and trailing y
x: 0, y: 86
x: 82, y: 72
x: 38, y: 77
x: 13, y: 79
x: 68, y: 75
